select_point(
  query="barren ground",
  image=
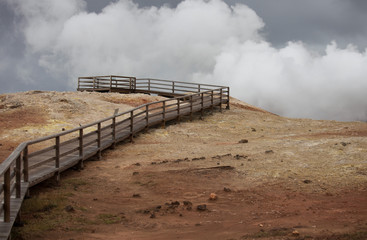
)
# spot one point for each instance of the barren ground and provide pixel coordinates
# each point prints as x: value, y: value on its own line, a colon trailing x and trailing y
x: 274, y: 177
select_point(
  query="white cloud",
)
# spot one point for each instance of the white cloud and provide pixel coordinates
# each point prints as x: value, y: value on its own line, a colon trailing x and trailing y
x: 197, y: 41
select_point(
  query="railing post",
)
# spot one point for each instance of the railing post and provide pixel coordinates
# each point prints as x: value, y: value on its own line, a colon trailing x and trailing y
x: 57, y: 159
x: 81, y: 149
x: 57, y: 152
x: 7, y: 195
x: 99, y: 141
x: 227, y: 98
x: 134, y: 83
x: 94, y: 83
x: 202, y: 106
x: 146, y: 116
x: 131, y: 125
x: 212, y: 101
x: 18, y: 175
x: 220, y: 99
x: 178, y: 110
x: 164, y: 115
x: 191, y: 107
x: 110, y: 83
x: 149, y: 85
x: 114, y: 131
x: 25, y: 164
x: 78, y: 82
x: 173, y: 87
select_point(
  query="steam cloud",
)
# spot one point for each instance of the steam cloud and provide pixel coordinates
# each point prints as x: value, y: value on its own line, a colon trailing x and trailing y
x: 202, y: 41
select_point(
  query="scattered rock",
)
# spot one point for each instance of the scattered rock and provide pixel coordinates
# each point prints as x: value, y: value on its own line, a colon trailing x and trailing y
x: 344, y: 144
x: 188, y: 205
x: 239, y: 156
x: 95, y: 199
x: 136, y: 195
x: 182, y: 160
x: 295, y: 233
x: 243, y: 141
x: 13, y: 105
x: 220, y: 156
x: 201, y: 207
x: 69, y: 208
x: 261, y: 225
x: 307, y: 181
x: 227, y: 189
x: 269, y: 151
x: 197, y: 159
x: 213, y: 197
x: 152, y: 215
x: 135, y: 173
x: 253, y: 129
x: 137, y: 164
x: 172, y: 205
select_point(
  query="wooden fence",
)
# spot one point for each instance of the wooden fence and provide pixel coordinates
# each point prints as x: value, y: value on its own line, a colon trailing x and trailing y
x: 37, y: 160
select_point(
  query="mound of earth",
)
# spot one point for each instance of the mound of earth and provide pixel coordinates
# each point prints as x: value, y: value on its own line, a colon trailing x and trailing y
x: 33, y: 114
x: 241, y: 174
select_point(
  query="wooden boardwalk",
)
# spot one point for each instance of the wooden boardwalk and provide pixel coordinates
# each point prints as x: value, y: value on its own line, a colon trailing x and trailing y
x: 37, y: 160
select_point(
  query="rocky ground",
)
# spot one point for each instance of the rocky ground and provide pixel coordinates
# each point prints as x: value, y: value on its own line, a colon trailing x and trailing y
x: 241, y: 174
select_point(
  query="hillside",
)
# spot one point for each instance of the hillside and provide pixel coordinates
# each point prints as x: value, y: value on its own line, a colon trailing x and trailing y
x: 274, y: 177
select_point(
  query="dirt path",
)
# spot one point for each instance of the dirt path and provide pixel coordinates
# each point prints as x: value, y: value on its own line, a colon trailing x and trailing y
x: 274, y: 178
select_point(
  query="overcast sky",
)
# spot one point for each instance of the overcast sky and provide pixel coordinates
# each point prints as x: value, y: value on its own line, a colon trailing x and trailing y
x: 294, y: 57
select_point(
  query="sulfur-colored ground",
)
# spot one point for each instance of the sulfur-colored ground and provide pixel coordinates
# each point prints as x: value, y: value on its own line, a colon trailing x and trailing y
x: 274, y: 178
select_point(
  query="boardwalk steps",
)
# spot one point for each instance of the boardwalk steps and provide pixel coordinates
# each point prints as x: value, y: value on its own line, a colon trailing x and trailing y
x: 37, y: 160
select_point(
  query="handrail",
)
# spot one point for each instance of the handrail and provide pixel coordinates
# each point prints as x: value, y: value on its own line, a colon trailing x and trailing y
x: 18, y: 171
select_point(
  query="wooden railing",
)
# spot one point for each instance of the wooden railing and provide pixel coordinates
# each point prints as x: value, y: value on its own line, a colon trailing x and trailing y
x: 34, y: 161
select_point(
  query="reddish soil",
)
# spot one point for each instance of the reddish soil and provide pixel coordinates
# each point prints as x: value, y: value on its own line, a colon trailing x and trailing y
x: 14, y: 119
x: 274, y: 178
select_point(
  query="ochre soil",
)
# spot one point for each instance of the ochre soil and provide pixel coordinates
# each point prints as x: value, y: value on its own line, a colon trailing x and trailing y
x: 274, y: 178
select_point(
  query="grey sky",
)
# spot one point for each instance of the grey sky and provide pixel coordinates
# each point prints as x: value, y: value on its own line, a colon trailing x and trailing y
x: 315, y: 22
x: 297, y: 37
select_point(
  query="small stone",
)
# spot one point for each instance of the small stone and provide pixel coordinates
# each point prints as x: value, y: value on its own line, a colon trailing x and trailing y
x: 136, y: 195
x: 295, y: 233
x: 152, y: 215
x: 95, y: 199
x: 213, y: 197
x: 261, y: 225
x: 269, y: 151
x: 253, y: 129
x: 243, y: 141
x: 307, y: 181
x: 137, y: 164
x: 135, y: 173
x: 227, y: 189
x: 69, y: 208
x: 188, y: 205
x: 201, y: 207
